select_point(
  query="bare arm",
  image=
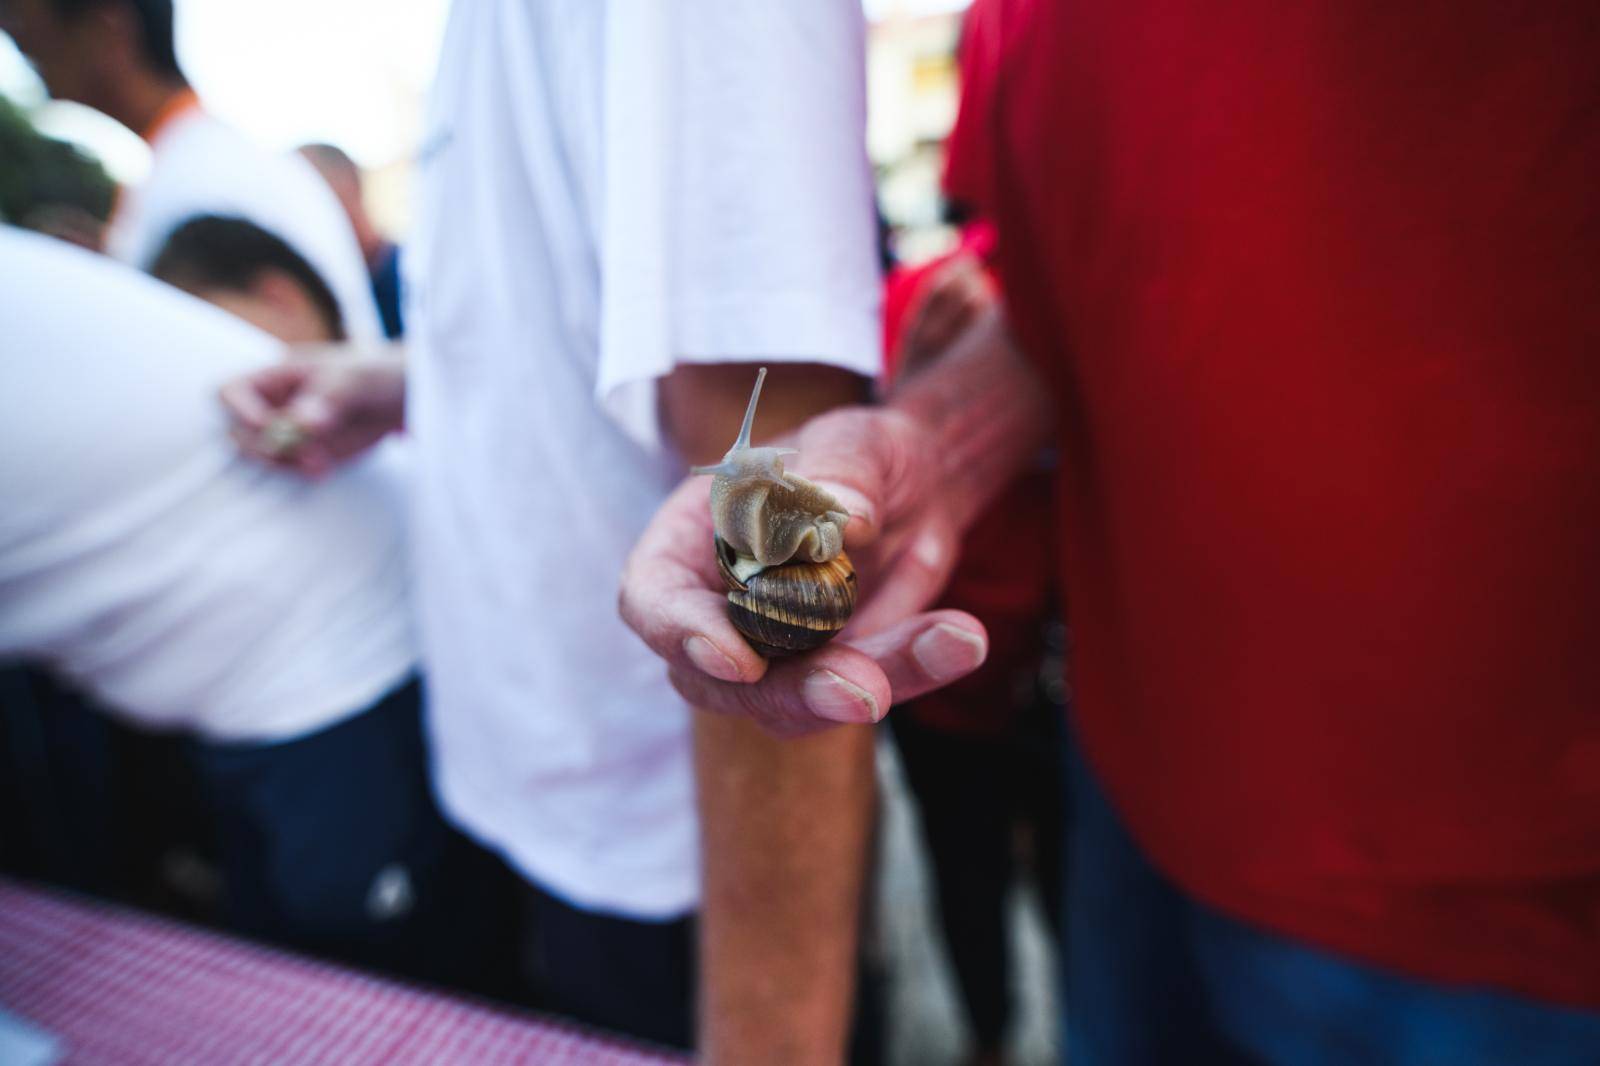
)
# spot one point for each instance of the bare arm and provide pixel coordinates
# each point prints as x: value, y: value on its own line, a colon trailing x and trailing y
x: 987, y: 411
x: 784, y: 824
x: 784, y: 827
x: 702, y: 404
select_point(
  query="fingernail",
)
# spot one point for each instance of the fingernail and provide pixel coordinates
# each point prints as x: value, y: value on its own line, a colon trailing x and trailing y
x: 710, y: 659
x: 830, y: 696
x: 946, y: 652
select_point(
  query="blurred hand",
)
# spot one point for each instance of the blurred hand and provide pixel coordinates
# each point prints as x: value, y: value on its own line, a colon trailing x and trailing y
x: 881, y: 466
x: 68, y: 223
x: 956, y: 294
x: 314, y: 413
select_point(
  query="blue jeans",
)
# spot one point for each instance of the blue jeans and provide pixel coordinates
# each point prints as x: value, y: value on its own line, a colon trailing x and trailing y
x: 331, y: 843
x: 1154, y: 977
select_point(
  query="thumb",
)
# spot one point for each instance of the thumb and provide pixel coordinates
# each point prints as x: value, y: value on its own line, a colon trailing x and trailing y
x: 866, y: 457
x: 914, y: 577
x: 313, y: 412
x: 256, y: 398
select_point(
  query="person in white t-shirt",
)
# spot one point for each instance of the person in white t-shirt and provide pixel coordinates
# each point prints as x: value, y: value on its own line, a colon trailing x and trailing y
x: 625, y: 207
x: 117, y: 56
x: 187, y: 589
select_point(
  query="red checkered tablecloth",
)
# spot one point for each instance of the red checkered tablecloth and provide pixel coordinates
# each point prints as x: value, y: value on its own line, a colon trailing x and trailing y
x: 121, y: 987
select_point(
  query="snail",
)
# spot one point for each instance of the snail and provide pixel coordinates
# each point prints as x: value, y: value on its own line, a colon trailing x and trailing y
x: 779, y: 545
x: 282, y: 437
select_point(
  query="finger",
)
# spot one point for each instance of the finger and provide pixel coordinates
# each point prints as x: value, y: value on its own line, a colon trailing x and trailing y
x: 256, y: 398
x: 311, y: 459
x: 257, y: 447
x: 926, y: 652
x: 314, y: 413
x: 915, y: 575
x: 670, y: 593
x: 863, y: 456
x: 834, y: 685
x: 851, y: 682
x: 249, y: 442
x: 244, y: 403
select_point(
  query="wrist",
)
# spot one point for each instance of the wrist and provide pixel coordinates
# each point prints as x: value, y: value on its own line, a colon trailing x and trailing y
x: 982, y: 412
x: 379, y: 389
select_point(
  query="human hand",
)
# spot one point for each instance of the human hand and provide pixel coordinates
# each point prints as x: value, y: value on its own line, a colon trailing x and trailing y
x: 68, y: 223
x: 953, y: 298
x: 315, y: 412
x: 902, y: 540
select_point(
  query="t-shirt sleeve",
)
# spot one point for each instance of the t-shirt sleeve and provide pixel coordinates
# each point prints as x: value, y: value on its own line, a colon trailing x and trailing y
x: 739, y: 222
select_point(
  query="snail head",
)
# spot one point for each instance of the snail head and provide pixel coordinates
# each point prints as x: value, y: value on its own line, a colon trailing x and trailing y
x: 744, y: 463
x: 767, y: 515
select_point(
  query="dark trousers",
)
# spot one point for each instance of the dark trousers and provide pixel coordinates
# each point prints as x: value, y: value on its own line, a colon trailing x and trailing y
x: 332, y: 844
x: 619, y: 974
x: 58, y: 818
x: 972, y: 792
x: 639, y: 978
x: 90, y: 802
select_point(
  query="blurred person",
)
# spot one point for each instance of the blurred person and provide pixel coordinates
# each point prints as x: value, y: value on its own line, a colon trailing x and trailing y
x: 240, y: 267
x: 117, y: 56
x: 50, y: 186
x: 381, y: 254
x: 138, y: 826
x: 982, y: 756
x: 621, y: 214
x: 58, y: 817
x: 1307, y: 293
x: 264, y: 616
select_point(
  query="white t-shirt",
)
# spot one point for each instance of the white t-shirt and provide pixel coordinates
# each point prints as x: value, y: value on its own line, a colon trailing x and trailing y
x: 182, y: 584
x: 203, y: 166
x: 701, y: 164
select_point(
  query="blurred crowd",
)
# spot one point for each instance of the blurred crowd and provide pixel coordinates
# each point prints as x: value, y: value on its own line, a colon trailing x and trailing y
x: 357, y: 595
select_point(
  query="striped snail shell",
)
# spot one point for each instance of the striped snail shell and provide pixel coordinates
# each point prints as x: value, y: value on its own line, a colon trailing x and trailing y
x: 779, y: 546
x: 790, y: 608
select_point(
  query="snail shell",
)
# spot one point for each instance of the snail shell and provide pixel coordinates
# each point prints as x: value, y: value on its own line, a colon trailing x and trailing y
x: 790, y: 608
x: 779, y: 546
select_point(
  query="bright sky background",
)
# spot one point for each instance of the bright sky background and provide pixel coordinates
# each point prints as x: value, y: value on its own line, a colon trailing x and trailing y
x: 354, y: 72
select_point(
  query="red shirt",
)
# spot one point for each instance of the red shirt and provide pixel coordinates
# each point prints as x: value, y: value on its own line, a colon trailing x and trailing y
x: 1317, y: 288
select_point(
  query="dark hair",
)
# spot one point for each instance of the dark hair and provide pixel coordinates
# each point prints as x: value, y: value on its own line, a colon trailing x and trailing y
x: 214, y: 252
x: 154, y: 19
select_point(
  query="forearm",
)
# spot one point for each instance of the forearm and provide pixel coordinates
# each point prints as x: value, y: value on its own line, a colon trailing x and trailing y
x: 785, y: 826
x: 987, y: 412
x: 783, y: 823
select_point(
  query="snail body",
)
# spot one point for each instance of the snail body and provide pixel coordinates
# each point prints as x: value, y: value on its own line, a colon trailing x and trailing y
x: 775, y: 521
x: 779, y: 546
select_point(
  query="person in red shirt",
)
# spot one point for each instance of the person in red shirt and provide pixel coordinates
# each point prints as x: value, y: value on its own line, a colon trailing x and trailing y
x: 1309, y: 290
